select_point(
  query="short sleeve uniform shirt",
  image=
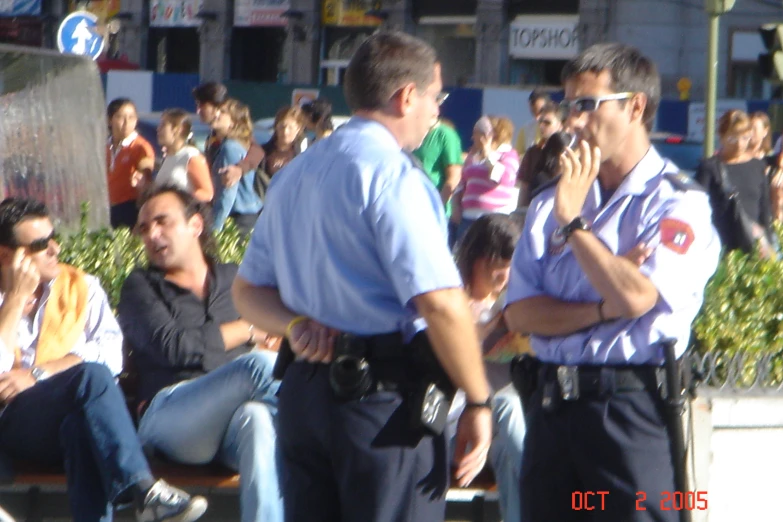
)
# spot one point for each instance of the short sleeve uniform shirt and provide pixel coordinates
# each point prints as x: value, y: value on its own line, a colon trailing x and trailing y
x: 653, y: 205
x: 351, y: 233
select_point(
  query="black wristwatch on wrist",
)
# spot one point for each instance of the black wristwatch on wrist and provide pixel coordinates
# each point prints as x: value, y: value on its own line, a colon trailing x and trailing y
x: 578, y: 223
x: 486, y: 404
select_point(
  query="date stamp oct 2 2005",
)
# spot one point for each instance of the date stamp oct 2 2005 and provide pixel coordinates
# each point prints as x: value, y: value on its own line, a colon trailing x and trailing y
x: 669, y: 500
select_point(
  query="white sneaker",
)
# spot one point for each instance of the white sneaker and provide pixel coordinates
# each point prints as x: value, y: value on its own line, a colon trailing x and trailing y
x: 166, y: 503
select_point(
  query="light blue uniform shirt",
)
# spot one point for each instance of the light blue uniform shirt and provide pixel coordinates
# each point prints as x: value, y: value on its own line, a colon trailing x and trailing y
x: 646, y: 207
x: 351, y: 231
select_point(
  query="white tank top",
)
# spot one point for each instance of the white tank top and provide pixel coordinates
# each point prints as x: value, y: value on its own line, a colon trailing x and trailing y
x: 174, y: 169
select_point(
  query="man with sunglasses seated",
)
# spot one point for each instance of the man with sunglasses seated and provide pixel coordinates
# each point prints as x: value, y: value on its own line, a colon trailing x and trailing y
x: 60, y: 348
x: 611, y: 266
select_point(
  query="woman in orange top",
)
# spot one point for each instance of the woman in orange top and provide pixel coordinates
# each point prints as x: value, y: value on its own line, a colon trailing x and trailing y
x: 125, y: 155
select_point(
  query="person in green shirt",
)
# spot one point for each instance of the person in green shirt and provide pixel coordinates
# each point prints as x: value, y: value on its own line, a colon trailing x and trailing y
x: 441, y: 156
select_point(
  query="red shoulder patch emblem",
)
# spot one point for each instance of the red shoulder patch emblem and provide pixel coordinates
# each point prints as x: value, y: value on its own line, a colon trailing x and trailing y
x: 676, y: 235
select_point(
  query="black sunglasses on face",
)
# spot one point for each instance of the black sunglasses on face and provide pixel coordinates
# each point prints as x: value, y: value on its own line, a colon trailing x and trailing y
x: 39, y: 245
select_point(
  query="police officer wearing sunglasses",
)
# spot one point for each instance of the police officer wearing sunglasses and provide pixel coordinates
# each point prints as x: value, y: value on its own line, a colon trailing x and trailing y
x: 613, y: 261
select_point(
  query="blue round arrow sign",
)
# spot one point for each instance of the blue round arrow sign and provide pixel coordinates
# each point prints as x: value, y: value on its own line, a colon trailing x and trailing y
x: 78, y: 34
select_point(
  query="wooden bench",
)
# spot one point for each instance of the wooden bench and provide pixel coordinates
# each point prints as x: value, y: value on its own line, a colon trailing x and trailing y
x: 216, y: 477
x: 35, y: 478
x: 211, y: 476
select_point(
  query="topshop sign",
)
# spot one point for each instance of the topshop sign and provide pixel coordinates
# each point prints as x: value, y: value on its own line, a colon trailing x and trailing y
x: 544, y: 37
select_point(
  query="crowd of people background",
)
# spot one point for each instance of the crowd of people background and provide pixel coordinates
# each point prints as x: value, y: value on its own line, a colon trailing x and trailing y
x: 206, y: 389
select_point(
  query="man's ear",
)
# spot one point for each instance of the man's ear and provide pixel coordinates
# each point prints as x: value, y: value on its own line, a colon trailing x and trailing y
x: 197, y: 222
x: 638, y: 105
x: 402, y: 102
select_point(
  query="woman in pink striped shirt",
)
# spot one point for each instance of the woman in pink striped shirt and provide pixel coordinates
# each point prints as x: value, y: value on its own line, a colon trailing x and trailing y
x: 489, y: 174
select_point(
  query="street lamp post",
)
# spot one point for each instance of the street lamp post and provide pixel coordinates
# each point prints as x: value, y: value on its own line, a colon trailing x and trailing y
x: 714, y: 9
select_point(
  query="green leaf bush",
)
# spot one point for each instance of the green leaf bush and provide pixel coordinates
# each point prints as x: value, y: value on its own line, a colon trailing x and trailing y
x: 111, y: 255
x: 742, y: 311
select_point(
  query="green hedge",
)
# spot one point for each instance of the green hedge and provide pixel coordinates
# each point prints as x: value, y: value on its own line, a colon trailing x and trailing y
x: 111, y: 255
x: 743, y: 306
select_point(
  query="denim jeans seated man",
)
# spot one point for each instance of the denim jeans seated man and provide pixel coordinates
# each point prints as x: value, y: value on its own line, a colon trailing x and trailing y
x: 60, y: 348
x: 206, y: 390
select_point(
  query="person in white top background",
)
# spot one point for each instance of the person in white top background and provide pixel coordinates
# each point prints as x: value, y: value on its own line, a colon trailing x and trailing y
x: 183, y: 165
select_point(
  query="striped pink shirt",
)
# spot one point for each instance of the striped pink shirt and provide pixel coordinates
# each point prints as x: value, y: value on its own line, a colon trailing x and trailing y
x: 489, y: 185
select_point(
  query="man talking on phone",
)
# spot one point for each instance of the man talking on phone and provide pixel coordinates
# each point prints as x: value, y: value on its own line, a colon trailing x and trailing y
x: 612, y: 263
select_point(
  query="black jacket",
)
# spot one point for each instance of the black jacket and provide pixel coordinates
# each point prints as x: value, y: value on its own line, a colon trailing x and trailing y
x: 173, y: 335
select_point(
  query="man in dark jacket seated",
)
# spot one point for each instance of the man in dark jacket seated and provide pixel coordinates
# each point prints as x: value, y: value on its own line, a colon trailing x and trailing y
x: 205, y: 385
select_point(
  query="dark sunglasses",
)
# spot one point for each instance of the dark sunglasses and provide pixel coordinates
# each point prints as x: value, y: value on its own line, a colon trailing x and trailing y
x: 39, y: 245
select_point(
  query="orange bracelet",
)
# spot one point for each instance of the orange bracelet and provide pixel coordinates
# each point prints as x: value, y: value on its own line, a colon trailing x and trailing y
x: 295, y: 321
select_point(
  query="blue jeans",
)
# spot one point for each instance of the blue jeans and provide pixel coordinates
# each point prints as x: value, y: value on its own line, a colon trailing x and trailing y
x: 78, y: 417
x: 228, y: 415
x: 505, y: 453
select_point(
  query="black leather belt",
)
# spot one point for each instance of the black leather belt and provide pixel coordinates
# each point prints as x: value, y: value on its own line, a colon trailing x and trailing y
x: 592, y: 381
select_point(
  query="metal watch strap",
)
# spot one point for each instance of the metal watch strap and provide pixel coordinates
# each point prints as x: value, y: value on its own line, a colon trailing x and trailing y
x: 39, y: 374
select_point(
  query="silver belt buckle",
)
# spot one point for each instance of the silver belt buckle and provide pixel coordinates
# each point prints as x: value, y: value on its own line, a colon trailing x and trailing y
x: 568, y: 378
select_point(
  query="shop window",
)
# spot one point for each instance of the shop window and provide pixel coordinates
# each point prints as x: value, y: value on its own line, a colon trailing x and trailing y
x: 456, y: 48
x: 339, y: 45
x: 174, y: 50
x: 532, y: 73
x: 256, y: 53
x: 747, y: 83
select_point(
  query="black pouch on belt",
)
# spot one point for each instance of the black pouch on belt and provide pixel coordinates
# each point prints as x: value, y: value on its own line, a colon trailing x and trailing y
x: 350, y: 376
x: 433, y: 393
x: 524, y: 376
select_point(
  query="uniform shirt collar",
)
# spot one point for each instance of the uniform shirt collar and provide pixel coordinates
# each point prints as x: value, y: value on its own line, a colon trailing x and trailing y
x: 377, y: 129
x: 637, y: 182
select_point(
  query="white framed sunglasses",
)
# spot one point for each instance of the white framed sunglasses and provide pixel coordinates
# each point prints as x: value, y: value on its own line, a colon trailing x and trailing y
x: 592, y: 103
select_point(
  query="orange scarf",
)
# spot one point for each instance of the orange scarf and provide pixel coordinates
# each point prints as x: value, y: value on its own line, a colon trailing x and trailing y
x: 65, y: 316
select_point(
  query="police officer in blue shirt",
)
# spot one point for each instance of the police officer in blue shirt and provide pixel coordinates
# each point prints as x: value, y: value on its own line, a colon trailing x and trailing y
x: 346, y: 260
x: 613, y: 261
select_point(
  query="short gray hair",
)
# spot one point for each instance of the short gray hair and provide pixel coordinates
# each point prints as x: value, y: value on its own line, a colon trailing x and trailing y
x: 383, y: 64
x: 630, y: 70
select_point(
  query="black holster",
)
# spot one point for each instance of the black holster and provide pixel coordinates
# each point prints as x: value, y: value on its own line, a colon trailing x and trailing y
x: 524, y: 376
x: 365, y: 364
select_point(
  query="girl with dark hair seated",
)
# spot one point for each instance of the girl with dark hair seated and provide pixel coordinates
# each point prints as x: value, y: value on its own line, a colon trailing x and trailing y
x: 483, y: 257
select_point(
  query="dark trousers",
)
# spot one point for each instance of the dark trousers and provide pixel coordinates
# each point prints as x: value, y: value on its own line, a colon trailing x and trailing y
x: 124, y: 214
x: 617, y: 444
x: 78, y: 418
x: 356, y: 461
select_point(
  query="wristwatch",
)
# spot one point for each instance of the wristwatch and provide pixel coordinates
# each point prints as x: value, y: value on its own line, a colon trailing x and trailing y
x: 578, y: 223
x: 486, y: 404
x: 39, y: 374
